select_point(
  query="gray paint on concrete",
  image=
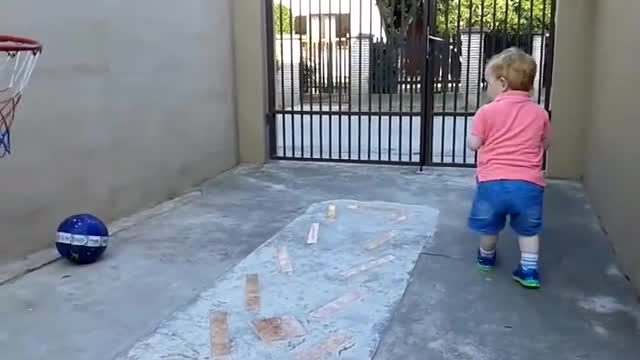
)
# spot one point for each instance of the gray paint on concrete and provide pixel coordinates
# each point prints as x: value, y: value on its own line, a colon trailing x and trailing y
x: 317, y: 279
x: 127, y: 108
x: 449, y: 310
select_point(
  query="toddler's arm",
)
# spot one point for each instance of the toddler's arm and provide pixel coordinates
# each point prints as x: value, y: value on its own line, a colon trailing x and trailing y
x: 478, y: 126
x: 474, y: 142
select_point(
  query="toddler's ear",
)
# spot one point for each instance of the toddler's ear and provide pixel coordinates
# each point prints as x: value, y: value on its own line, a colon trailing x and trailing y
x: 504, y: 84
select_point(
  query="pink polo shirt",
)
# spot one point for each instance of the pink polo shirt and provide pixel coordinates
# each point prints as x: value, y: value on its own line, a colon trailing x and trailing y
x: 513, y: 129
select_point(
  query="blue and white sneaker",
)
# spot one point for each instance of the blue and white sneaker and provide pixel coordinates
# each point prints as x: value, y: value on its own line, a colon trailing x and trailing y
x: 527, y: 278
x: 486, y: 263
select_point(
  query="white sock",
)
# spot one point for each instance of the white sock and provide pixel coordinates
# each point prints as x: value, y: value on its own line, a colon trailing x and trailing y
x: 529, y: 261
x: 488, y: 254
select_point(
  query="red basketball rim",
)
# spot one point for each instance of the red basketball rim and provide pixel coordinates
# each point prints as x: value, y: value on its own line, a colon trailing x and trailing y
x: 15, y: 43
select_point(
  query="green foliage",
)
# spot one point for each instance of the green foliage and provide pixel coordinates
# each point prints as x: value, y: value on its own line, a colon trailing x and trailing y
x: 281, y: 17
x: 511, y: 16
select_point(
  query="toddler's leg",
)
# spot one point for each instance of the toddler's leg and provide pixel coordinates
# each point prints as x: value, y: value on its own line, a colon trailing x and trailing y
x: 487, y: 252
x: 529, y: 247
x: 528, y: 223
x: 488, y: 243
x: 529, y: 244
x: 527, y: 272
x: 488, y: 218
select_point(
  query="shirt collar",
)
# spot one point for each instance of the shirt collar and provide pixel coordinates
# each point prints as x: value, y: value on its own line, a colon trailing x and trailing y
x: 513, y: 94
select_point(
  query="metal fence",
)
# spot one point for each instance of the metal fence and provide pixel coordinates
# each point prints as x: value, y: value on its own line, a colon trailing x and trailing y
x: 392, y: 81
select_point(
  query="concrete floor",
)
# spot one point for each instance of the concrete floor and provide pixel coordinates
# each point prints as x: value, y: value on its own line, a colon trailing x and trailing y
x: 585, y: 310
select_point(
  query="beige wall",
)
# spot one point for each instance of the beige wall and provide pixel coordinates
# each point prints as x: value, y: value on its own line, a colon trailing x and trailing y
x: 612, y: 171
x: 571, y: 87
x: 251, y: 79
x: 131, y: 104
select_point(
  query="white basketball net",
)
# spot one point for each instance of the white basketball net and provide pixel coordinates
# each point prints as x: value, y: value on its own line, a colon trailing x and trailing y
x: 16, y: 68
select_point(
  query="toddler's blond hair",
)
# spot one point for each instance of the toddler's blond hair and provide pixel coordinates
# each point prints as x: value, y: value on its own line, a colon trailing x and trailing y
x: 516, y: 67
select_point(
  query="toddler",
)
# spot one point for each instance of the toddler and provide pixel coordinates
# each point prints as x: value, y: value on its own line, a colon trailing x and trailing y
x: 510, y: 135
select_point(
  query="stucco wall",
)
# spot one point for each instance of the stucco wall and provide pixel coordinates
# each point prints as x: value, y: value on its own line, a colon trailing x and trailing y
x: 612, y: 167
x: 131, y: 104
x: 250, y: 40
x: 571, y: 90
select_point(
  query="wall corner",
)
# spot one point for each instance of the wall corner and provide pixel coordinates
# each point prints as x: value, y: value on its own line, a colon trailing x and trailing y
x: 251, y: 78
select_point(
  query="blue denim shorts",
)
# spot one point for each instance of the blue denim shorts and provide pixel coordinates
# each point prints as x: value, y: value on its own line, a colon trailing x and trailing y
x: 495, y: 200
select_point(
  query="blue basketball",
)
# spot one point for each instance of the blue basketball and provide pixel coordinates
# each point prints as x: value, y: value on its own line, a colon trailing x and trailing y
x: 82, y: 238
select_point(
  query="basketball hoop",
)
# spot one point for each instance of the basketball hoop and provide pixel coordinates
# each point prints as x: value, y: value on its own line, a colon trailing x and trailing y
x: 18, y: 57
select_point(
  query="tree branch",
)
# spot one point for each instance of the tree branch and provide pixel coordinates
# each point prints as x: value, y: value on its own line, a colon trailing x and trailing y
x: 407, y: 17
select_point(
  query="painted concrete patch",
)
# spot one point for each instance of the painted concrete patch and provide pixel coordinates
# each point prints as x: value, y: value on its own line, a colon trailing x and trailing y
x: 336, y: 302
x: 220, y: 342
x: 278, y: 329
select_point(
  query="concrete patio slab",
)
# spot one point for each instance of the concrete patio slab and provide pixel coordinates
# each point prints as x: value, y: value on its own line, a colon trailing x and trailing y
x: 585, y: 310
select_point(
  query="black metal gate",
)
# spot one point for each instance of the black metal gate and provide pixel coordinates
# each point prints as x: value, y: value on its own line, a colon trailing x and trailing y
x: 391, y: 81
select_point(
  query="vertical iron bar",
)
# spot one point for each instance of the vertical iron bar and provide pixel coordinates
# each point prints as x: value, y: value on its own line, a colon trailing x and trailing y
x: 548, y: 63
x: 293, y: 125
x: 401, y: 79
x: 282, y: 92
x: 330, y: 77
x: 322, y: 78
x: 312, y: 80
x: 543, y: 44
x: 350, y: 78
x: 466, y: 99
x: 481, y: 56
x: 549, y: 56
x: 360, y: 83
x: 411, y: 92
x: 445, y: 80
x: 457, y: 85
x: 424, y: 74
x: 481, y: 62
x: 271, y: 97
x: 430, y: 83
x: 369, y: 84
x: 391, y: 63
x: 302, y: 79
x: 340, y: 81
x: 380, y: 81
x: 388, y: 85
x: 427, y: 84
